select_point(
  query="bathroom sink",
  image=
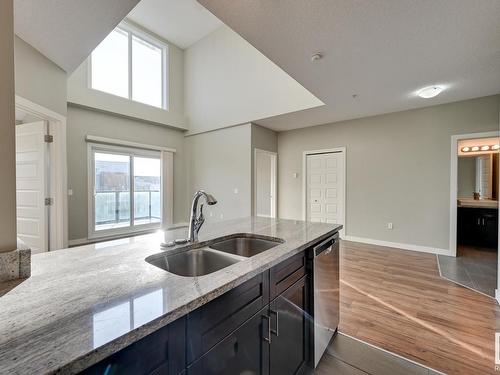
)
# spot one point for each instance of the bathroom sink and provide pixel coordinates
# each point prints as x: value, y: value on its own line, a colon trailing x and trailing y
x: 245, y: 246
x: 191, y: 263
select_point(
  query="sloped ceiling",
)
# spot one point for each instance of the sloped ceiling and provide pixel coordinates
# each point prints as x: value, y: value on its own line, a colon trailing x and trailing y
x: 66, y: 31
x: 376, y: 54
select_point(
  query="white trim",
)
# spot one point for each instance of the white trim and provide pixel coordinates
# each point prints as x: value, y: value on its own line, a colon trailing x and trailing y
x: 59, y: 174
x: 121, y: 142
x: 454, y: 182
x: 342, y: 150
x: 397, y: 245
x: 497, y: 296
x: 274, y: 208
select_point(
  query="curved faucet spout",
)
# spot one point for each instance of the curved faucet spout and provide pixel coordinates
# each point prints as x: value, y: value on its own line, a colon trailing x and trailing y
x: 196, y: 221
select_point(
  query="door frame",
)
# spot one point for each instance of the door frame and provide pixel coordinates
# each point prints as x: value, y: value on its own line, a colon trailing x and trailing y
x: 58, y: 222
x: 274, y: 188
x: 342, y: 150
x: 454, y: 182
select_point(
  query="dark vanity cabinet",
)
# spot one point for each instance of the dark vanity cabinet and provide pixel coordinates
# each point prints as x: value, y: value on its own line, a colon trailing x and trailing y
x: 477, y: 227
x: 262, y: 326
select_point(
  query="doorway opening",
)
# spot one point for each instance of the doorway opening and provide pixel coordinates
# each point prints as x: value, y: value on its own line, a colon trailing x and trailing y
x: 474, y: 200
x: 40, y: 177
x: 265, y: 183
x: 324, y: 186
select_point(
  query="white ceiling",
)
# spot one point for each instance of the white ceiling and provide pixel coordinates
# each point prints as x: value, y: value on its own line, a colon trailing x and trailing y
x: 382, y: 51
x: 182, y: 22
x: 66, y: 31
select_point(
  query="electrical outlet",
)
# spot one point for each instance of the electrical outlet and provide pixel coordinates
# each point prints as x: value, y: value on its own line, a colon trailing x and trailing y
x: 389, y: 226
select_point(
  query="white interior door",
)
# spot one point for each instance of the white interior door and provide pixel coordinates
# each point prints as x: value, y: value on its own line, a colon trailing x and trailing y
x: 325, y: 187
x: 31, y: 162
x: 265, y: 183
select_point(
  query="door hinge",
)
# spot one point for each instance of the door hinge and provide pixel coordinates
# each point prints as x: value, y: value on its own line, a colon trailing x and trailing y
x: 49, y: 201
x: 48, y: 138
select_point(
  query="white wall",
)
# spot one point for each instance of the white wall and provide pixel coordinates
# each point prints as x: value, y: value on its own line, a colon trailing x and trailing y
x: 220, y: 162
x: 398, y: 169
x: 229, y: 82
x: 38, y: 79
x: 7, y: 133
x: 79, y: 93
x: 84, y: 121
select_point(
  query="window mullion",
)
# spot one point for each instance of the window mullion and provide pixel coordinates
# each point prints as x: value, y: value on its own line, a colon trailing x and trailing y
x: 130, y: 65
x: 132, y: 192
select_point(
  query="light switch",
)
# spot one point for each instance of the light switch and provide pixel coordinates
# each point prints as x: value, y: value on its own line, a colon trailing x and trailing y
x: 295, y: 175
x: 389, y: 225
x: 70, y: 192
x: 236, y: 190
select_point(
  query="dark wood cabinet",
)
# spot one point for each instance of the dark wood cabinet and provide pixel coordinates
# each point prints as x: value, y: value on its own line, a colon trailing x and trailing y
x: 290, y: 339
x: 162, y: 352
x: 477, y: 227
x: 245, y: 351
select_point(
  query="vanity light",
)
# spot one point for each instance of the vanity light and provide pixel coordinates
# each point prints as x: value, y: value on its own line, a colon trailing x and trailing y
x: 474, y: 148
x: 485, y: 148
x: 495, y: 147
x: 465, y: 149
x: 480, y: 148
x: 430, y: 92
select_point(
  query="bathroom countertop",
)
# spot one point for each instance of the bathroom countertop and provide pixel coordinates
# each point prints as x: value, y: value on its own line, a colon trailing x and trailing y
x: 83, y: 304
x: 477, y: 203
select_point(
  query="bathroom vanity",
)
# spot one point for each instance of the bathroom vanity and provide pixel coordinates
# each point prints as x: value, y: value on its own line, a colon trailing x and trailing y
x: 131, y: 307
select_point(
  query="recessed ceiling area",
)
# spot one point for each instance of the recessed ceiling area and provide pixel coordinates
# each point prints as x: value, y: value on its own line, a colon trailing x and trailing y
x: 182, y: 22
x: 376, y: 55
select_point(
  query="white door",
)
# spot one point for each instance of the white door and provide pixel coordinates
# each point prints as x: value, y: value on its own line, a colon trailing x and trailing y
x: 325, y: 188
x: 265, y: 183
x: 31, y: 164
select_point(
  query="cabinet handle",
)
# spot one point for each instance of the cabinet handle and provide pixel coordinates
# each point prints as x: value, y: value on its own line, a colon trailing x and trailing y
x: 277, y: 330
x: 268, y: 338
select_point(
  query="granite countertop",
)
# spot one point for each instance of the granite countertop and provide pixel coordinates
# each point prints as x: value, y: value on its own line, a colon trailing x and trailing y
x: 477, y: 203
x: 83, y: 304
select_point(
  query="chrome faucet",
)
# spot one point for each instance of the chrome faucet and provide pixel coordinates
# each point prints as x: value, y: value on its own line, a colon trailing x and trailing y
x: 195, y: 222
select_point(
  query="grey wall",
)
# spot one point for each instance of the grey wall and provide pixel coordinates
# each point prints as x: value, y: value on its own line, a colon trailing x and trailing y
x: 38, y: 79
x: 398, y: 168
x: 82, y: 122
x: 7, y: 134
x: 229, y: 82
x: 219, y: 162
x: 466, y: 177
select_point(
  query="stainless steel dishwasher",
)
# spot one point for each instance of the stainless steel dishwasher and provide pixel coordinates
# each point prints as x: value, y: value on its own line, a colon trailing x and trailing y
x: 326, y: 294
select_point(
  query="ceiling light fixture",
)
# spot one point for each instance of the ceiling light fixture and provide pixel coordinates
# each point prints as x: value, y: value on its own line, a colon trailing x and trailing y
x: 430, y: 92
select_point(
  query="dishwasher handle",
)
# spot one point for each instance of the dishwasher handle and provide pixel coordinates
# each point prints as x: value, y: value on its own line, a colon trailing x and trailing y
x: 325, y: 245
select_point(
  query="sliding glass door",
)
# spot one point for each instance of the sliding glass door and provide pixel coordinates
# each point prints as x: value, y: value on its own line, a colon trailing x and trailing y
x: 125, y: 187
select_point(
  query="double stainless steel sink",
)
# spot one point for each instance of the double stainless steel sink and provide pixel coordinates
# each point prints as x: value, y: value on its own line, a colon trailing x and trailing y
x: 213, y: 256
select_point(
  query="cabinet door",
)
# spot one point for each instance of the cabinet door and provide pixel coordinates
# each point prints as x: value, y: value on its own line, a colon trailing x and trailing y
x: 290, y: 323
x: 245, y: 351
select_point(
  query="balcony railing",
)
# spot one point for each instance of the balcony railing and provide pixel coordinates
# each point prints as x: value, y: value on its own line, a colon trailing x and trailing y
x: 112, y: 208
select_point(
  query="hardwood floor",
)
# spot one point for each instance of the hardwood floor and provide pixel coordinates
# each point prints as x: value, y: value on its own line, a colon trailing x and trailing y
x: 396, y: 300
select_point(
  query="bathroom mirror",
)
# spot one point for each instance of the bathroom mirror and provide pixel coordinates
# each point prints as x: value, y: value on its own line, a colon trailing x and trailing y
x: 478, y: 174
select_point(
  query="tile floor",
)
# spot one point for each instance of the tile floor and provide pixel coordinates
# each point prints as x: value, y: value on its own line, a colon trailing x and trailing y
x: 474, y: 267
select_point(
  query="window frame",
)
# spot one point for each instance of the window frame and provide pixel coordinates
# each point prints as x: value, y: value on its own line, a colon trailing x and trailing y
x: 92, y: 148
x: 132, y: 31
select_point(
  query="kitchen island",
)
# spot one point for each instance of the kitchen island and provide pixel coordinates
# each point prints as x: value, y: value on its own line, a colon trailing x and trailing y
x: 86, y: 304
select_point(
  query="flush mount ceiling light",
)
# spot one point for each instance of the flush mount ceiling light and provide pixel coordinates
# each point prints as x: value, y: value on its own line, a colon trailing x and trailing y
x: 480, y: 148
x: 430, y: 92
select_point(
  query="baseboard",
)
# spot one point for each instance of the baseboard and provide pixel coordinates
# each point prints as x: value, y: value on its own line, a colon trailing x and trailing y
x: 397, y: 245
x: 78, y: 242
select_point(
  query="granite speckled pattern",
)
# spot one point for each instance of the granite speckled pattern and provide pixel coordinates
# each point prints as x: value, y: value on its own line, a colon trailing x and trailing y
x: 82, y: 304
